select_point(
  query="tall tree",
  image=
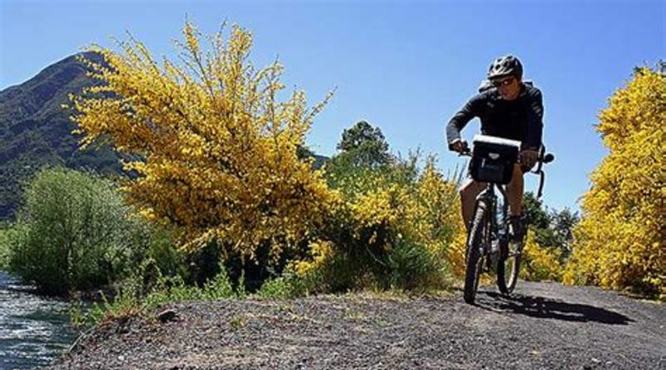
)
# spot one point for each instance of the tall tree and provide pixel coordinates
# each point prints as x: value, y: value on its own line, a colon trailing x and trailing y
x: 536, y: 213
x: 562, y: 225
x: 552, y: 228
x: 364, y: 145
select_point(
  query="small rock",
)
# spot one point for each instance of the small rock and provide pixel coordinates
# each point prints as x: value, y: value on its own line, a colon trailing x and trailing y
x: 167, y: 315
x: 122, y: 329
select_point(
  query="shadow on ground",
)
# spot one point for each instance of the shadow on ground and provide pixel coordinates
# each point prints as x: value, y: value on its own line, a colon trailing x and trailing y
x: 548, y: 308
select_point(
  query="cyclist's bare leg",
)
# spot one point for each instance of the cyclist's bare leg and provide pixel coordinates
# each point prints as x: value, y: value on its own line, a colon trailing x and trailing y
x: 514, y: 192
x: 468, y: 192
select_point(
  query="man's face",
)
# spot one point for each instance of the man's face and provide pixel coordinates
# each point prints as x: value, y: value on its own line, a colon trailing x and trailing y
x: 508, y: 87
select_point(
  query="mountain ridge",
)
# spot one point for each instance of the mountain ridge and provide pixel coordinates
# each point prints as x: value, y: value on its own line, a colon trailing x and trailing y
x: 35, y: 131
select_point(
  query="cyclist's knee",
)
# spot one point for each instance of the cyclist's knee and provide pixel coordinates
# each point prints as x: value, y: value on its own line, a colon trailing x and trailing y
x: 465, y: 188
x: 518, y: 171
x: 470, y: 188
x: 516, y: 176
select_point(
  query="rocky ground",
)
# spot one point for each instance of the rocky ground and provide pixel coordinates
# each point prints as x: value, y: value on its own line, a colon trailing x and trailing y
x: 542, y: 326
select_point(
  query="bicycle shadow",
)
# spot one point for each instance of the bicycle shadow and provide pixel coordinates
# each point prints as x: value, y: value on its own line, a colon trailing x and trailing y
x: 548, y: 308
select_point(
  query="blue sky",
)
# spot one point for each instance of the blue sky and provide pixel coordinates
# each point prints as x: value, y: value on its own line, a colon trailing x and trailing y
x: 405, y: 66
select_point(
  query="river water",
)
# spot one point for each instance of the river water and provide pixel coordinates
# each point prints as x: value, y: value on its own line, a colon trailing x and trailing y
x: 33, y: 330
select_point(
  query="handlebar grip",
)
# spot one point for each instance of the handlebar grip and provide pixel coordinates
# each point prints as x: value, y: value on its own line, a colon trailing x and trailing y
x: 548, y: 158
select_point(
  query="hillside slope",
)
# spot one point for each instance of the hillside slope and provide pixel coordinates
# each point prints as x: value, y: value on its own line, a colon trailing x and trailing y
x: 35, y: 130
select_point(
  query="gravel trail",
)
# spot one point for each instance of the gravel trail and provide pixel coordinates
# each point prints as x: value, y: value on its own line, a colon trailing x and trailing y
x: 541, y: 326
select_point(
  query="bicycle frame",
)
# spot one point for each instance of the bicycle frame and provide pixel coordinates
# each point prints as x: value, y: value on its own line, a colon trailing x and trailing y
x: 495, y: 230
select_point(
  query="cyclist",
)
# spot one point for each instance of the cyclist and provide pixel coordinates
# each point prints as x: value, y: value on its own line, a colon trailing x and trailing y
x: 511, y: 109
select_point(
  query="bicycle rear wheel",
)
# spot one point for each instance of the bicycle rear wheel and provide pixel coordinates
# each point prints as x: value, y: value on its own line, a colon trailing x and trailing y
x: 508, y: 268
x: 474, y: 260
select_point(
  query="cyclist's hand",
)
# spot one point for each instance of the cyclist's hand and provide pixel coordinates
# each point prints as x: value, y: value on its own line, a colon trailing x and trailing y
x: 459, y: 146
x: 528, y: 157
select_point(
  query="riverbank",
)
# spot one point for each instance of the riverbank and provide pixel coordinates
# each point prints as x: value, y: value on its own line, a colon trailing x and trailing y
x: 544, y: 325
x: 34, y: 330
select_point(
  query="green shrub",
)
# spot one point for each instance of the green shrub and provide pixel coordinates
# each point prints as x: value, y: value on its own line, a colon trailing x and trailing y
x: 131, y: 300
x: 284, y: 287
x: 170, y: 260
x: 220, y: 287
x: 4, y: 249
x: 73, y: 232
x: 391, y: 230
x: 413, y: 267
x: 155, y: 254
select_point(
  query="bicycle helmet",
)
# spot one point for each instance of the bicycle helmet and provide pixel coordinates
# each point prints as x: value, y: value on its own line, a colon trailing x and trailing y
x: 505, y: 66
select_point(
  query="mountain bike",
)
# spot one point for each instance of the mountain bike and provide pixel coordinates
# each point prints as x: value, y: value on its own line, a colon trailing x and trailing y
x: 490, y: 242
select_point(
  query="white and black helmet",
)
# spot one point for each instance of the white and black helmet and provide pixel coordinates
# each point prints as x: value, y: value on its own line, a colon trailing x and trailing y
x: 505, y: 66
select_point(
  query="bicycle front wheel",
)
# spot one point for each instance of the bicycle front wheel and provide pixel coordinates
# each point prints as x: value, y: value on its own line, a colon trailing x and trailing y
x: 508, y: 268
x: 474, y: 260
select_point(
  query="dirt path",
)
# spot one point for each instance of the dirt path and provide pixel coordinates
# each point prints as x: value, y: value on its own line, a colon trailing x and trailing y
x: 543, y: 326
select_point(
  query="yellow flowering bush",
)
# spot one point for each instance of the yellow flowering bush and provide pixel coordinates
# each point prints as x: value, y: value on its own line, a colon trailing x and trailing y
x: 214, y: 151
x: 539, y: 263
x: 392, y: 228
x: 619, y: 242
x: 457, y: 251
x: 320, y: 252
x: 438, y: 219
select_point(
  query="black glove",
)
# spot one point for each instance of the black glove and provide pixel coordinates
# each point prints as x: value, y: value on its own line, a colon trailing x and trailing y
x: 459, y: 146
x: 528, y: 158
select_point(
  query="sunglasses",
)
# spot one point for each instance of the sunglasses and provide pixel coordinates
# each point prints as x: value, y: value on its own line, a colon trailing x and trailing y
x: 504, y: 82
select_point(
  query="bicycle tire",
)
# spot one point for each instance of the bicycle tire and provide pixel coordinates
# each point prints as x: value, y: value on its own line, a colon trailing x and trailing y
x: 509, y: 263
x: 474, y: 260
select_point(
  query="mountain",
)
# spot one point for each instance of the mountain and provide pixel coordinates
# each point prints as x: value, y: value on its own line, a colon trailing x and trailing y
x: 35, y: 131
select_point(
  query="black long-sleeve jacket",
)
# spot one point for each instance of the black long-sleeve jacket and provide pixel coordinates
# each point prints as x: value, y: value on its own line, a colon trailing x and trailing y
x: 520, y: 119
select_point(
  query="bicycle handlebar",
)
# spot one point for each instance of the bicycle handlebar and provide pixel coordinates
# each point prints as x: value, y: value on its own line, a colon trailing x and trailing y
x: 543, y: 158
x: 549, y: 157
